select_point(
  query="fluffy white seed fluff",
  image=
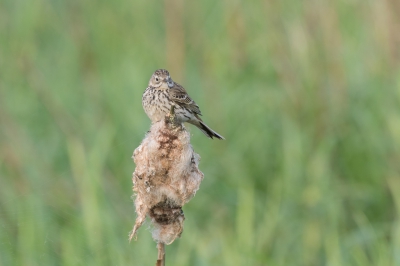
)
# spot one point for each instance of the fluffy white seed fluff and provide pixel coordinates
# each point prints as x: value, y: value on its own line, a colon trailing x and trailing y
x: 166, y: 177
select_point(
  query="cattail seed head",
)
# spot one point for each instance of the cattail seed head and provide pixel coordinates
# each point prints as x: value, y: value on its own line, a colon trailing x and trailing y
x: 166, y: 177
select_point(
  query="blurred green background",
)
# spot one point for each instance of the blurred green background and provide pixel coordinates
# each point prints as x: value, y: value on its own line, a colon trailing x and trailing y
x: 306, y: 93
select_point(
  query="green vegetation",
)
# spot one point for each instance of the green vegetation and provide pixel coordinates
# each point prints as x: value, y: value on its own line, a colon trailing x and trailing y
x: 306, y: 93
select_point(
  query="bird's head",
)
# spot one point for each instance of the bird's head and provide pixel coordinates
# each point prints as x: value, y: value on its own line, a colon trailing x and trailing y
x: 161, y: 79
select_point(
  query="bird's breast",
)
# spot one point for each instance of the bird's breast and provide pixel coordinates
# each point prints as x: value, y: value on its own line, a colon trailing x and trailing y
x: 156, y: 104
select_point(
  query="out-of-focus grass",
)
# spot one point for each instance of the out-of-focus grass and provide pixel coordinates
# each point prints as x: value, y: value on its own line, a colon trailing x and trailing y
x: 306, y: 93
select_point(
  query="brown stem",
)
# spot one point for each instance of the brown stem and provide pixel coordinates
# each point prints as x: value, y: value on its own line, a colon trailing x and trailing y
x: 161, y: 254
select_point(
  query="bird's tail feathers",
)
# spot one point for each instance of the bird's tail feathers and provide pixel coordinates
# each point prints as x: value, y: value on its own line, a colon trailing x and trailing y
x: 208, y: 131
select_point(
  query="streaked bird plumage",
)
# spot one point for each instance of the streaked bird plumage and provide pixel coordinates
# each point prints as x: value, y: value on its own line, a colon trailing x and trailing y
x: 162, y: 92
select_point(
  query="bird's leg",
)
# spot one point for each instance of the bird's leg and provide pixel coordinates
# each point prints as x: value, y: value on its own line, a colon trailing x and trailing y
x: 171, y: 115
x: 172, y: 111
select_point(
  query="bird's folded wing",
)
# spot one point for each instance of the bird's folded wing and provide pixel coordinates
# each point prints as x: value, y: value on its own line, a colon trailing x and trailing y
x: 179, y: 95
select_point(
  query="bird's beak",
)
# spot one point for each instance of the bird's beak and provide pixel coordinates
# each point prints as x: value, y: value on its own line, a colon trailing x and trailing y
x: 170, y: 83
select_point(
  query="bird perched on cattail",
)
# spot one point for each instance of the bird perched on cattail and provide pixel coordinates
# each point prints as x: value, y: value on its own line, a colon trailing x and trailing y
x: 162, y: 93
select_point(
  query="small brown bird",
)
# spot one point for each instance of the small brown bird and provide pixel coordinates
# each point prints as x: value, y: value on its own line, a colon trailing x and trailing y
x: 162, y: 92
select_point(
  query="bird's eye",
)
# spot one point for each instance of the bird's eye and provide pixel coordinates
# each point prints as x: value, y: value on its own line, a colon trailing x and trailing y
x: 157, y: 79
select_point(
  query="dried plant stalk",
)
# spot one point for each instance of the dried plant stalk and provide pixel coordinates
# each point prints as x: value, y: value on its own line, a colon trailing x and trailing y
x: 161, y: 254
x: 166, y: 177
